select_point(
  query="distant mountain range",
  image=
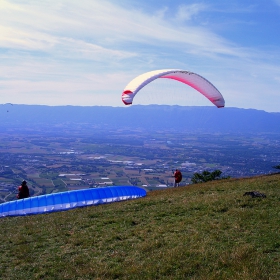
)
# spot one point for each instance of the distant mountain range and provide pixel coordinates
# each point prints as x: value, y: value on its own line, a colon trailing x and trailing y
x: 144, y: 117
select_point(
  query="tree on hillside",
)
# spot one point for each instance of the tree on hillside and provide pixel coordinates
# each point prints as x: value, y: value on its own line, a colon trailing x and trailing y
x: 277, y: 166
x: 206, y: 176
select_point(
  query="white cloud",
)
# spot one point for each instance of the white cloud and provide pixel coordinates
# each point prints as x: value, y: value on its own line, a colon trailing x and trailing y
x: 186, y: 12
x: 161, y: 12
x: 99, y: 26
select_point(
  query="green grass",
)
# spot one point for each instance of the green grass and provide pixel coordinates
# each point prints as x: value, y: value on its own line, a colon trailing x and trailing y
x: 204, y: 231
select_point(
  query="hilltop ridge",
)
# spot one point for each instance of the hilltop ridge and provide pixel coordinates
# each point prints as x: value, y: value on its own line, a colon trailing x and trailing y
x: 204, y: 119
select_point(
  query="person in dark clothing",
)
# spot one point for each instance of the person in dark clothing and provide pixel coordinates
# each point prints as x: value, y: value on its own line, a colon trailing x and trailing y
x: 23, y: 190
x: 177, y: 177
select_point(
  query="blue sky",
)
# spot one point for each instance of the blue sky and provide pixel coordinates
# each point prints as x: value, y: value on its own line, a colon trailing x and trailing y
x: 68, y: 52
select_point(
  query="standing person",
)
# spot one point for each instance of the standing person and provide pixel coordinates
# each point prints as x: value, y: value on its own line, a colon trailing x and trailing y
x: 177, y: 178
x: 23, y: 190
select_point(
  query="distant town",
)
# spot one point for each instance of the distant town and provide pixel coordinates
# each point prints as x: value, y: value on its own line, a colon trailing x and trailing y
x: 56, y: 160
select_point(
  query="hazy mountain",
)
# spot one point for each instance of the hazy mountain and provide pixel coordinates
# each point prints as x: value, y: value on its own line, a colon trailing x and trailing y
x: 150, y: 117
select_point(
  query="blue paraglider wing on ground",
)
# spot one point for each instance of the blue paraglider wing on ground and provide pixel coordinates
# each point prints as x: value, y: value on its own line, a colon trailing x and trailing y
x: 68, y: 200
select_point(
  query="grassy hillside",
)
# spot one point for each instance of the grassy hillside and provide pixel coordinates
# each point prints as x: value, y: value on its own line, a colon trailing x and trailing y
x: 207, y: 231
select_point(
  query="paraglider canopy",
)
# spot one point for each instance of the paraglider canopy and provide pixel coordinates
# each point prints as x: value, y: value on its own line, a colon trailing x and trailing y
x: 63, y: 201
x: 189, y: 78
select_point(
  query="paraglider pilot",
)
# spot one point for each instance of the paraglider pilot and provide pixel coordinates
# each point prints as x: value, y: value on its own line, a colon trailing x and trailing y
x: 177, y: 178
x: 23, y: 190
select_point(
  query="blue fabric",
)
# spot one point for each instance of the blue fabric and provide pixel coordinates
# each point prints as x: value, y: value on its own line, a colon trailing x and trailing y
x: 69, y: 200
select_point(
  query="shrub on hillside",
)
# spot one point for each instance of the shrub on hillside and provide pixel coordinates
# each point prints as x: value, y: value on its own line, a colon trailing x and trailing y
x: 206, y: 176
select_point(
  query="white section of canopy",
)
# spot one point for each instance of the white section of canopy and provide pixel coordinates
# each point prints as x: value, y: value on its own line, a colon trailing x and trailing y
x: 192, y: 79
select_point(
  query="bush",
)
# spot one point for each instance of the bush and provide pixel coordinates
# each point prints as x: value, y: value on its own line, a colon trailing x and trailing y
x: 206, y: 176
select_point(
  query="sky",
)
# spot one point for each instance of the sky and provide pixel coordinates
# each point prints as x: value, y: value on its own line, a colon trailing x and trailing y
x: 84, y: 53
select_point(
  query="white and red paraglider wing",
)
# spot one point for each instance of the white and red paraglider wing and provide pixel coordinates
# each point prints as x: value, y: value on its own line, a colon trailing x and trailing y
x: 194, y: 80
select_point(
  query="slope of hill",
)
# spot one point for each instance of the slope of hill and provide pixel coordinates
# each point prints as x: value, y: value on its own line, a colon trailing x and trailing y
x: 151, y: 117
x: 207, y: 231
